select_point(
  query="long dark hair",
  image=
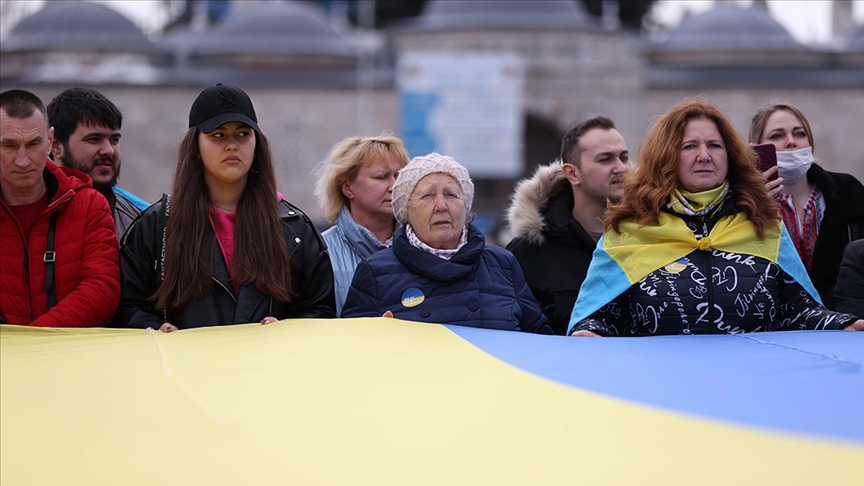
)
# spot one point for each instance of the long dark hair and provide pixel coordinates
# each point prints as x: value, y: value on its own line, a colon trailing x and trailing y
x: 260, y: 253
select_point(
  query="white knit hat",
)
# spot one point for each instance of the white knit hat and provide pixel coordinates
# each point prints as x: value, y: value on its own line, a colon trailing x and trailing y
x: 420, y: 167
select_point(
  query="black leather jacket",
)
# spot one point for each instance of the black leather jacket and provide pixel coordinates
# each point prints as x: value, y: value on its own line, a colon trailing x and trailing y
x: 842, y: 223
x: 311, y: 279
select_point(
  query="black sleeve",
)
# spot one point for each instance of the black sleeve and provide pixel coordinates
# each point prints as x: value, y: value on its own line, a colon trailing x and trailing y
x: 610, y: 320
x: 799, y: 311
x: 533, y: 319
x: 140, y: 254
x: 849, y: 291
x: 362, y: 299
x: 311, y: 272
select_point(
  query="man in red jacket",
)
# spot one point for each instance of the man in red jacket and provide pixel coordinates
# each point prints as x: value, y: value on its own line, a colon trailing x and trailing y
x: 58, y: 251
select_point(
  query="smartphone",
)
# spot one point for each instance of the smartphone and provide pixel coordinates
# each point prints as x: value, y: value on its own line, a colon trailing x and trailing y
x: 767, y: 157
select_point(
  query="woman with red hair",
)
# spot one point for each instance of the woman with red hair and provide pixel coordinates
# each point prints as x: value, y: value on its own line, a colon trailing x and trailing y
x: 697, y: 246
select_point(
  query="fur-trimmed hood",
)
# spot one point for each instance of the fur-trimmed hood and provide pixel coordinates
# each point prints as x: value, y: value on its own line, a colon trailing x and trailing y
x: 525, y: 214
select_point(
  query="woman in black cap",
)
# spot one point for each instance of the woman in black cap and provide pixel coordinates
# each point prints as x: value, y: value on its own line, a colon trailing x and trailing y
x: 208, y: 255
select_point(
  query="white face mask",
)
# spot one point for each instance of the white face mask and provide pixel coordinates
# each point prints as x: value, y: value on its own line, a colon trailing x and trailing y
x: 793, y: 165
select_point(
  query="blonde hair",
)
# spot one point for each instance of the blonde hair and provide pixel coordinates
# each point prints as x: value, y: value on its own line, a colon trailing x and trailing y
x: 760, y: 119
x: 343, y: 163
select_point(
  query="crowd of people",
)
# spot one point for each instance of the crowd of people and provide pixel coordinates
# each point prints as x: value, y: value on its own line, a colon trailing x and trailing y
x: 693, y: 238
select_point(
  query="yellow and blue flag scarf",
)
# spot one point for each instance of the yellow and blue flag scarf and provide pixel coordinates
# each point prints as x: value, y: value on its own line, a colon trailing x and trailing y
x: 622, y: 259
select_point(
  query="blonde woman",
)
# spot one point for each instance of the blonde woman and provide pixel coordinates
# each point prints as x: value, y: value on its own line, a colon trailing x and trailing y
x: 355, y: 188
x: 824, y: 211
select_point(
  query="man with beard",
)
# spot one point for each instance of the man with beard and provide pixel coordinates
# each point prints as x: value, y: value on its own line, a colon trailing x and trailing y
x: 87, y: 137
x: 58, y: 250
x: 556, y: 216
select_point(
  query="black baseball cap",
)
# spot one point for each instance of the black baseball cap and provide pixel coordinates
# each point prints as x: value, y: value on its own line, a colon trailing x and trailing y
x: 218, y: 105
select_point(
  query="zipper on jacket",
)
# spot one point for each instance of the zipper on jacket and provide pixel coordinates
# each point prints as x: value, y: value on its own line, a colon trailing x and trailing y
x: 709, y: 314
x: 26, y: 244
x: 230, y: 292
x: 710, y: 281
x: 67, y: 196
x: 27, y: 279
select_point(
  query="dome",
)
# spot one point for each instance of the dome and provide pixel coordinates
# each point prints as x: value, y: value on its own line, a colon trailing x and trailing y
x: 272, y: 28
x: 64, y: 26
x: 730, y: 27
x: 502, y: 14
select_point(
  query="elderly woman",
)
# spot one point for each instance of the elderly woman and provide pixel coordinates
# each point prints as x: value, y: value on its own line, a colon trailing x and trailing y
x: 355, y: 187
x: 824, y: 211
x: 439, y: 268
x: 697, y: 246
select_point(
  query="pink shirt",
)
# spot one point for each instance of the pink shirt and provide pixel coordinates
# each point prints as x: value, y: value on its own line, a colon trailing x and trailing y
x: 223, y: 225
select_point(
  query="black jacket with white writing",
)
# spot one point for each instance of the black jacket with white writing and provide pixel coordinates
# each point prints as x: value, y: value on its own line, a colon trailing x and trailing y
x: 713, y: 292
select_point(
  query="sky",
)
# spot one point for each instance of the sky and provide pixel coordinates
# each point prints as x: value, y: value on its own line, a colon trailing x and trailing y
x: 808, y: 21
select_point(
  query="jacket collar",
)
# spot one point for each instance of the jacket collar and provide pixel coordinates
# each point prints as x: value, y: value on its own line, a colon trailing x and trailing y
x: 835, y: 196
x: 561, y: 226
x: 429, y: 265
x: 248, y: 298
x: 61, y: 182
x: 525, y: 214
x: 361, y: 240
x: 542, y: 207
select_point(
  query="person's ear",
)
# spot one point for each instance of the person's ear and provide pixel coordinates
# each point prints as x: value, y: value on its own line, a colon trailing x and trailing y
x: 346, y: 189
x: 572, y: 174
x: 57, y: 149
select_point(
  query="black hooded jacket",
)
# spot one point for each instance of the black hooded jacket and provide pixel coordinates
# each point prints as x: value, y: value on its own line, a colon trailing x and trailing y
x: 552, y: 247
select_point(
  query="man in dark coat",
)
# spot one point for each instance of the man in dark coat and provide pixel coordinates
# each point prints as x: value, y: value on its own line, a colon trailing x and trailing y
x: 556, y: 216
x: 849, y: 292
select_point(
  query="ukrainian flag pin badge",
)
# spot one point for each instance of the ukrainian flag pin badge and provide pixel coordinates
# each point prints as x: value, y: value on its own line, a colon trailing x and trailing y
x: 412, y: 297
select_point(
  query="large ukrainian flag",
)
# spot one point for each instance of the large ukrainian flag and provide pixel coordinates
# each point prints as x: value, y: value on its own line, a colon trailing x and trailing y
x: 389, y: 402
x: 623, y: 259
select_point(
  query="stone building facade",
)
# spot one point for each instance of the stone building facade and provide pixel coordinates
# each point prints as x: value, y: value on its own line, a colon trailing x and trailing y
x: 314, y: 83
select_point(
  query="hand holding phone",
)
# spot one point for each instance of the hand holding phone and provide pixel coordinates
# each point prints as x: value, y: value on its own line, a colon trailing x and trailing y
x: 767, y: 158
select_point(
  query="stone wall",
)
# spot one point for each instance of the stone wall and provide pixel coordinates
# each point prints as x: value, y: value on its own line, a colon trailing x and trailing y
x: 570, y: 76
x: 300, y: 125
x: 836, y: 116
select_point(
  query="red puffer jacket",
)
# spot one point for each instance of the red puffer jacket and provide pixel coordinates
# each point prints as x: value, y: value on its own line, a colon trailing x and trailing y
x: 86, y: 271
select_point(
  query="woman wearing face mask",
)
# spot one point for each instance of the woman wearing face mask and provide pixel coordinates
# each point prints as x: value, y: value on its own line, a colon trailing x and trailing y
x: 822, y: 210
x: 696, y: 245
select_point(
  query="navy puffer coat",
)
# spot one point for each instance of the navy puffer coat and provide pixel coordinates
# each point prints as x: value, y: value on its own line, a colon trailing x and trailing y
x: 481, y: 286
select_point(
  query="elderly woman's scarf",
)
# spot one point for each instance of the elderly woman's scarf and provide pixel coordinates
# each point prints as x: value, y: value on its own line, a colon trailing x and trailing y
x: 440, y: 253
